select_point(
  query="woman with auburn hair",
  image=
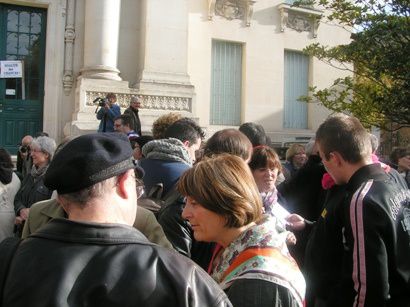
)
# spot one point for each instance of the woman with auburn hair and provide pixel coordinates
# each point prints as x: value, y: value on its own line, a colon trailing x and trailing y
x: 265, y: 166
x: 253, y: 264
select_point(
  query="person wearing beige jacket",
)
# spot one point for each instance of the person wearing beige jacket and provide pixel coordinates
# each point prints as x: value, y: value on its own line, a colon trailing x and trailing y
x: 43, y: 211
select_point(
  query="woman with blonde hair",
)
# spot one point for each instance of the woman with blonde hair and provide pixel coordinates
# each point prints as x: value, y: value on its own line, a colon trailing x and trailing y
x: 295, y: 159
x: 223, y: 205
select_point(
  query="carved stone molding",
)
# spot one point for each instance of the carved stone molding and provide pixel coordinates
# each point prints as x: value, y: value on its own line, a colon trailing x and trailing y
x: 153, y: 102
x: 231, y: 9
x: 299, y: 23
x: 299, y: 18
x: 69, y: 38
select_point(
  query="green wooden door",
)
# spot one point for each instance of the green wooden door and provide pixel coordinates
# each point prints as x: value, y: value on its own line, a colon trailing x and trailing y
x: 22, y: 37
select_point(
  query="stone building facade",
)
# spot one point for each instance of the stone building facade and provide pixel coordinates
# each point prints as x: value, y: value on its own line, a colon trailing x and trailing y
x: 223, y: 62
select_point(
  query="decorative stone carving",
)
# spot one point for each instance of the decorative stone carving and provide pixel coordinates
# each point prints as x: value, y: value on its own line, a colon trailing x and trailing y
x: 147, y: 101
x: 69, y: 37
x: 299, y: 23
x: 231, y: 9
x: 299, y: 18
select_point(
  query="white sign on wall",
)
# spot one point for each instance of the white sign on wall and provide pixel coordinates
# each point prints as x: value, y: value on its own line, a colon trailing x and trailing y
x: 11, y: 69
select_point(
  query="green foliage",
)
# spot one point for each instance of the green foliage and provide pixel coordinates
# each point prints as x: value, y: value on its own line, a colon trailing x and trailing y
x: 379, y: 56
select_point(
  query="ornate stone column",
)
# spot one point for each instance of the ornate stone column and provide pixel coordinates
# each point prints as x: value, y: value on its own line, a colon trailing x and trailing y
x: 102, y: 21
x: 164, y: 47
x: 69, y: 37
x: 99, y: 74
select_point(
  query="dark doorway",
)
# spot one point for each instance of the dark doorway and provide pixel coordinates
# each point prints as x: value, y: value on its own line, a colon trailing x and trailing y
x: 22, y: 37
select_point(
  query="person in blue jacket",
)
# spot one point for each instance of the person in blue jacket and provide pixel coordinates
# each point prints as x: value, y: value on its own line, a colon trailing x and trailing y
x: 108, y: 113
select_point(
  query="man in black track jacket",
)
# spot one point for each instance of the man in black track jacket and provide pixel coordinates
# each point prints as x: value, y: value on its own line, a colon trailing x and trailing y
x: 359, y: 252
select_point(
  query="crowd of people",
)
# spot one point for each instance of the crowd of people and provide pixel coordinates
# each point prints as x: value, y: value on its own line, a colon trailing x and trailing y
x: 117, y: 218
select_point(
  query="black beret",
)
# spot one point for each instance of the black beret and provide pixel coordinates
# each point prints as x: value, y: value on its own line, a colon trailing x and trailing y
x: 89, y: 159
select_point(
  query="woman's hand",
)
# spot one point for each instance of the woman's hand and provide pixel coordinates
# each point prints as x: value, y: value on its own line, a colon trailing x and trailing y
x: 295, y: 222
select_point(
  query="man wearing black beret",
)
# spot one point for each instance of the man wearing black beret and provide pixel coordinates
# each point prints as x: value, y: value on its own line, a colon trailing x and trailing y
x: 95, y: 257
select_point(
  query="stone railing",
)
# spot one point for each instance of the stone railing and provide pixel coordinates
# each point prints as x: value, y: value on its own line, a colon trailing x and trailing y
x: 153, y: 102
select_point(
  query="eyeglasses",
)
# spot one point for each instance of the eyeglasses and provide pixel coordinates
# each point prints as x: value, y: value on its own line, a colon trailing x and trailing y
x: 36, y: 150
x: 138, y: 183
x: 140, y: 187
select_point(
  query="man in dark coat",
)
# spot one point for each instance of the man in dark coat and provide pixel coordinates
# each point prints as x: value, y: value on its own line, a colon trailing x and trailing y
x: 132, y: 111
x: 95, y: 257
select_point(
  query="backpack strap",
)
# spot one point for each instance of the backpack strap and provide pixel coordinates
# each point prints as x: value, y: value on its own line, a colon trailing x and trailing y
x: 8, y: 248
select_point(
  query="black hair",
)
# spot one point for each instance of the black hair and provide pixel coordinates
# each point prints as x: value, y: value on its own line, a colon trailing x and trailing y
x: 6, y: 166
x: 255, y: 133
x: 193, y: 124
x: 126, y: 120
x: 140, y: 140
x: 183, y: 131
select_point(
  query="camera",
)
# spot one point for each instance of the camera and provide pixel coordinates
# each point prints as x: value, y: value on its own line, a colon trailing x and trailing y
x: 24, y: 149
x: 101, y: 101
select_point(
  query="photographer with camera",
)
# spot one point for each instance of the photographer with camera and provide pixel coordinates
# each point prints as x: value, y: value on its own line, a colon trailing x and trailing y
x: 24, y: 161
x: 108, y: 111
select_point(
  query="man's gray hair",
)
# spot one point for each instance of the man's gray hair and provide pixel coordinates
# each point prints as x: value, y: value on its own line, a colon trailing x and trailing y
x: 97, y: 190
x: 135, y: 99
x: 46, y: 144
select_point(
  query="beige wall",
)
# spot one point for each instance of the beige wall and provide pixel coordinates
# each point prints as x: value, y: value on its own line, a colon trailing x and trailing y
x: 263, y: 57
x: 263, y: 62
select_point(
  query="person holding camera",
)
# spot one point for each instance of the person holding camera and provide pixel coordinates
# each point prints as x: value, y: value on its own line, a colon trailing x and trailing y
x: 24, y: 160
x: 107, y: 113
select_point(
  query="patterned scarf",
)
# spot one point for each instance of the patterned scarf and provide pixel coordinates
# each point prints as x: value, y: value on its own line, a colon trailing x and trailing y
x: 167, y: 149
x: 269, y: 199
x: 37, y: 173
x: 260, y: 252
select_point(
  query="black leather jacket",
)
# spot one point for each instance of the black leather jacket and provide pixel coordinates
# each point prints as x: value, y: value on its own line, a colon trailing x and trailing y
x: 135, y: 118
x: 361, y: 243
x: 31, y: 191
x: 68, y: 263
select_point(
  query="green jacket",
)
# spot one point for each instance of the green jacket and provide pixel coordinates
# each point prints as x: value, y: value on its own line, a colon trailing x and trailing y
x: 42, y: 212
